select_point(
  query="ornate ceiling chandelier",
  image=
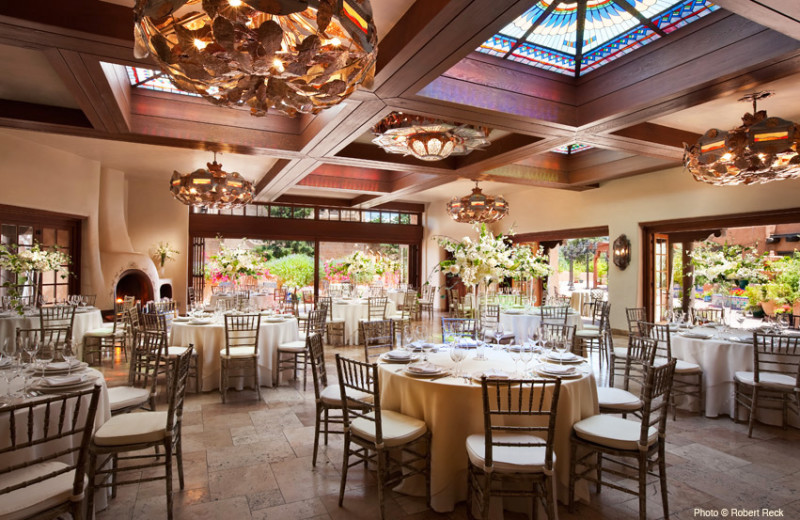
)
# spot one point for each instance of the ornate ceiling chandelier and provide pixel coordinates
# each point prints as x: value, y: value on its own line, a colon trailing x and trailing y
x: 477, y: 207
x: 212, y: 188
x: 427, y: 139
x: 289, y: 56
x: 763, y: 149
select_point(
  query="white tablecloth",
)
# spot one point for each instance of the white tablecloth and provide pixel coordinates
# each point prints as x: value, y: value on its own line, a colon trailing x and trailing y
x: 84, y: 321
x: 453, y: 410
x: 209, y: 340
x: 396, y: 297
x: 103, y: 414
x: 353, y: 310
x: 578, y: 298
x: 262, y: 300
x: 520, y: 324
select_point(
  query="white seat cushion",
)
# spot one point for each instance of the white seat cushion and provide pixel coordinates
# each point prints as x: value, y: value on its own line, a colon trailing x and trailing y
x: 398, y: 317
x: 293, y: 346
x: 132, y: 428
x: 587, y: 334
x: 104, y: 333
x: 331, y: 395
x: 681, y: 367
x: 617, y: 399
x: 27, y: 501
x: 590, y: 326
x: 613, y: 432
x: 238, y: 352
x: 120, y: 397
x: 398, y: 429
x: 177, y: 351
x: 621, y: 352
x: 767, y: 379
x: 528, y: 459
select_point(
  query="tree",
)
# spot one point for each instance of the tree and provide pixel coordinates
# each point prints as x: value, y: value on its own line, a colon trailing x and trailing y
x: 280, y: 248
x: 578, y: 249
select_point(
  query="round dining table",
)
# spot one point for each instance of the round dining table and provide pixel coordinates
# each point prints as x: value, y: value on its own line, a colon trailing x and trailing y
x: 521, y: 321
x: 351, y: 311
x: 209, y: 339
x: 452, y: 409
x: 86, y: 319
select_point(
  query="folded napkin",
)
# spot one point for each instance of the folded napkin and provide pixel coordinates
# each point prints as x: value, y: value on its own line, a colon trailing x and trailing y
x: 566, y: 356
x: 696, y: 335
x: 5, y: 361
x: 492, y: 373
x: 559, y: 370
x: 424, y: 368
x: 63, y: 365
x: 399, y: 354
x: 63, y: 380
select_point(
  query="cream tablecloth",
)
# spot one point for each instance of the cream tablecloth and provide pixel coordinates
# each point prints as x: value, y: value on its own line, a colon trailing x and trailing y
x: 353, y: 310
x: 521, y: 323
x: 85, y: 320
x: 262, y: 300
x: 578, y: 298
x: 209, y: 340
x: 396, y: 297
x: 453, y: 410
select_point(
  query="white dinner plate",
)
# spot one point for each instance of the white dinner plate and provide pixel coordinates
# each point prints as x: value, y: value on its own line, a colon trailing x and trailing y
x: 550, y: 370
x: 490, y: 374
x: 568, y: 358
x: 389, y: 359
x: 61, y: 367
x: 434, y: 371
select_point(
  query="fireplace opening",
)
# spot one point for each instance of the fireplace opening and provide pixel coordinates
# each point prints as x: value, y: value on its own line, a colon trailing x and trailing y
x: 165, y: 291
x: 134, y: 283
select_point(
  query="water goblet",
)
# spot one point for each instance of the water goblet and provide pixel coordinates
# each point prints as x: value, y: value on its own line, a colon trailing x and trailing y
x: 562, y: 346
x: 498, y: 334
x: 525, y: 355
x: 457, y: 354
x: 514, y: 352
x: 69, y: 355
x: 426, y: 349
x: 31, y: 346
x: 45, y: 355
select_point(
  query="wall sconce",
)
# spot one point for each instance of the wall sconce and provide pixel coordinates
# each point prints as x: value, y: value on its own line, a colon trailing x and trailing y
x: 622, y: 252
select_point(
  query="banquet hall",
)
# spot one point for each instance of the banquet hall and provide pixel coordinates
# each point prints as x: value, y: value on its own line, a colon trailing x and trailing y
x: 324, y: 166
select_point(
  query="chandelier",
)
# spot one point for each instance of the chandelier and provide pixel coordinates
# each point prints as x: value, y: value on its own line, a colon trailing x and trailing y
x: 289, y: 56
x: 763, y: 149
x: 213, y: 188
x: 477, y: 207
x: 427, y: 139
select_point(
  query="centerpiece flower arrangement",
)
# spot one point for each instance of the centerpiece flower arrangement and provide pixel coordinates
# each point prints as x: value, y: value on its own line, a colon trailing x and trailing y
x: 28, y: 265
x: 722, y: 265
x: 231, y: 263
x: 530, y: 265
x: 487, y: 259
x: 164, y: 252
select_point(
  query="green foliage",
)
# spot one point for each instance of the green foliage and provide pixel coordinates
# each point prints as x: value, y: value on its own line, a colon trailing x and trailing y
x: 280, y: 248
x: 785, y: 287
x: 294, y: 270
x: 755, y: 295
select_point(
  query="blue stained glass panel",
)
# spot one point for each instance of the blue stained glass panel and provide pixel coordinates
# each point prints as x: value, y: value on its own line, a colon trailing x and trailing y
x: 609, y: 32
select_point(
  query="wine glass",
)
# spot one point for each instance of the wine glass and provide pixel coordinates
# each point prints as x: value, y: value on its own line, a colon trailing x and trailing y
x: 498, y: 333
x: 562, y: 346
x: 457, y: 354
x: 526, y: 356
x: 514, y: 352
x: 419, y: 335
x: 782, y: 321
x: 45, y: 355
x: 31, y: 346
x: 69, y: 355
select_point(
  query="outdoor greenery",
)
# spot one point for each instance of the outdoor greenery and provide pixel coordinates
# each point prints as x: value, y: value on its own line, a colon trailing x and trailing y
x: 294, y: 270
x: 280, y: 248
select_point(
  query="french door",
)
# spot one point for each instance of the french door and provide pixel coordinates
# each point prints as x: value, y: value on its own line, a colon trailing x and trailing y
x: 661, y: 276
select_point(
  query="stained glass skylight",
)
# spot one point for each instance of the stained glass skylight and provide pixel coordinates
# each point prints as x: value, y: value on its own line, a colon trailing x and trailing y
x: 610, y: 31
x: 572, y: 148
x: 151, y: 80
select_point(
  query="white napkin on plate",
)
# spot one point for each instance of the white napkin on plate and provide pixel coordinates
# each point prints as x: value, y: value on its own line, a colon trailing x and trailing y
x: 62, y: 380
x: 549, y: 368
x: 492, y: 373
x: 399, y: 354
x: 566, y: 356
x: 62, y: 365
x: 424, y: 368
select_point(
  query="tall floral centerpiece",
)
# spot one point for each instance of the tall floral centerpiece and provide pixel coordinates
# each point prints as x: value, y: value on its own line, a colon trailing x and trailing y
x: 530, y: 265
x: 163, y: 252
x: 28, y: 266
x: 478, y: 262
x: 724, y: 265
x: 230, y: 264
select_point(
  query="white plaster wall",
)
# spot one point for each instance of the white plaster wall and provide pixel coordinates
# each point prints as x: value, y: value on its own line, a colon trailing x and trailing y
x: 621, y: 205
x: 40, y: 177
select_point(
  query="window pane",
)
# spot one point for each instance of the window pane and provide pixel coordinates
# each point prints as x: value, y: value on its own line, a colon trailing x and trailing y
x: 324, y: 214
x: 238, y: 210
x: 414, y: 219
x: 280, y: 212
x: 63, y: 238
x: 263, y: 211
x: 304, y: 213
x: 334, y: 214
x: 404, y: 218
x: 25, y: 237
x: 9, y: 234
x: 62, y: 291
x: 48, y: 237
x: 48, y: 292
x: 48, y: 277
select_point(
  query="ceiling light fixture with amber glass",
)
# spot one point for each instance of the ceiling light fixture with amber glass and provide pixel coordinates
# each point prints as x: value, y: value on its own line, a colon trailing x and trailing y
x: 288, y: 56
x: 211, y: 187
x: 477, y: 207
x: 427, y: 139
x: 763, y: 149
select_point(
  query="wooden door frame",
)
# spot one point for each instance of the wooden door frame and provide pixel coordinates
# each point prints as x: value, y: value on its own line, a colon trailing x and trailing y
x: 684, y: 227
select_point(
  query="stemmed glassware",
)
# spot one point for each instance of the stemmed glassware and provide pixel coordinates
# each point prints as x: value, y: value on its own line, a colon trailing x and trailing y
x: 457, y: 354
x: 31, y: 346
x: 498, y: 333
x: 562, y: 346
x: 45, y: 355
x: 69, y: 355
x: 515, y: 353
x: 525, y: 355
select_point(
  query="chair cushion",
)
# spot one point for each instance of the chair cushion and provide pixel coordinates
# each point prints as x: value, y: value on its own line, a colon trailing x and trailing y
x: 617, y: 399
x: 293, y: 346
x: 238, y: 352
x: 104, y: 332
x: 26, y: 502
x: 508, y: 458
x: 132, y: 428
x: 398, y: 429
x: 590, y: 326
x: 331, y: 395
x: 120, y: 397
x: 767, y: 380
x: 681, y: 367
x: 397, y: 317
x: 587, y: 334
x: 614, y: 432
x: 621, y: 352
x: 177, y: 351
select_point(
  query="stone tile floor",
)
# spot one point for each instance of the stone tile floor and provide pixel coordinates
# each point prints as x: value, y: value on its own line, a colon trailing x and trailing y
x: 252, y: 459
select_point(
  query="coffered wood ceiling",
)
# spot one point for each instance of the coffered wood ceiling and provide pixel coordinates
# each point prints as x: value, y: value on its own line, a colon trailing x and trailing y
x: 629, y: 111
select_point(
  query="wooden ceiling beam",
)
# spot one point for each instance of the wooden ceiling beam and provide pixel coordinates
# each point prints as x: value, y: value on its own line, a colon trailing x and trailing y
x: 618, y: 169
x: 285, y: 178
x: 372, y: 156
x: 782, y: 16
x: 44, y: 118
x: 419, y: 185
x: 313, y: 180
x: 658, y: 134
x: 274, y: 171
x: 633, y: 146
